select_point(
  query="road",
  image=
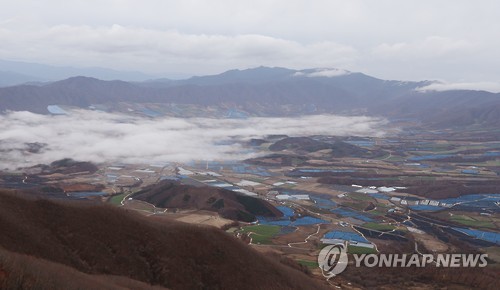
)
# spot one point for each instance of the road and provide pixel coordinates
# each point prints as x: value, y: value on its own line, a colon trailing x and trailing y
x: 305, y: 241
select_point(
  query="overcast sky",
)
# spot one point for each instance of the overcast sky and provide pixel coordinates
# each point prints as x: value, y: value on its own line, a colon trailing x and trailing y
x: 452, y: 40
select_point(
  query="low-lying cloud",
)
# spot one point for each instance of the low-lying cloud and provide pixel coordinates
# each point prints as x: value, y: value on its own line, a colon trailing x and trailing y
x: 328, y: 73
x: 493, y: 87
x: 103, y: 137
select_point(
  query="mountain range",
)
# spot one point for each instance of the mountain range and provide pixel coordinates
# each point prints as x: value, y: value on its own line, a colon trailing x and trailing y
x: 265, y: 91
x: 17, y: 72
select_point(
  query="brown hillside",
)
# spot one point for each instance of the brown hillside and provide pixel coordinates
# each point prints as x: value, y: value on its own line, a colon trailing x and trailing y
x: 228, y: 204
x: 102, y: 240
x: 18, y: 271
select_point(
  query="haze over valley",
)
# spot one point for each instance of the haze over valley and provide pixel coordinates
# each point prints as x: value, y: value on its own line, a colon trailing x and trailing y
x: 283, y: 160
x: 249, y: 145
x: 112, y: 137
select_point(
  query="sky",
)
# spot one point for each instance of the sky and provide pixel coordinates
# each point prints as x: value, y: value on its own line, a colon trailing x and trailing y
x: 455, y: 41
x: 108, y: 137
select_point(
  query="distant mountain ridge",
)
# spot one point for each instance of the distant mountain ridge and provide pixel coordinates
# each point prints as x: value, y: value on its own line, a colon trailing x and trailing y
x: 17, y: 72
x: 8, y: 78
x: 265, y: 91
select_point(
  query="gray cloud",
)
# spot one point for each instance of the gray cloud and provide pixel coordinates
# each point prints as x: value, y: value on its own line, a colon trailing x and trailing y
x: 158, y: 49
x: 101, y: 137
x: 450, y: 39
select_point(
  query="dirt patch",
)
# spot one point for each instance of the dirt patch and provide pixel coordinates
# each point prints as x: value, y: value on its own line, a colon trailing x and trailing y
x: 204, y: 219
x: 431, y: 243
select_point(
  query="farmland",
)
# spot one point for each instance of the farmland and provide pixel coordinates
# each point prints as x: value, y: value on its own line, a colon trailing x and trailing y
x: 386, y: 194
x: 261, y: 234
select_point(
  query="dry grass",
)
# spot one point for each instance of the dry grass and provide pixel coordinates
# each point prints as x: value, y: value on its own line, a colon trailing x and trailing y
x: 99, y: 239
x: 19, y: 271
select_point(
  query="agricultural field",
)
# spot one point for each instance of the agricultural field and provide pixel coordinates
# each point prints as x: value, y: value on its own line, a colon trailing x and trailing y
x: 360, y: 250
x: 379, y: 227
x: 261, y: 234
x: 379, y: 194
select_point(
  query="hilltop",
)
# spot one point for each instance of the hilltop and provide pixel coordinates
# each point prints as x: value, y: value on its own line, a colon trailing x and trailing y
x: 106, y: 247
x: 228, y: 204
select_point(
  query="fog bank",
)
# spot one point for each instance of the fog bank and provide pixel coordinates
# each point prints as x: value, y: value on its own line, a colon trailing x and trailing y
x: 104, y: 137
